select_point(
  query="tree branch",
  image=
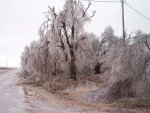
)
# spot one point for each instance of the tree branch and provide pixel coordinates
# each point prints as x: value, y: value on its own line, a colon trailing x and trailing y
x: 85, y: 51
x: 65, y: 31
x: 93, y: 14
x: 147, y: 45
x: 53, y: 10
x: 86, y: 9
x: 82, y: 38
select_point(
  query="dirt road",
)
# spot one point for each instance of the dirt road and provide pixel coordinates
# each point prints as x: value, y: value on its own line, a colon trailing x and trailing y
x: 15, y: 99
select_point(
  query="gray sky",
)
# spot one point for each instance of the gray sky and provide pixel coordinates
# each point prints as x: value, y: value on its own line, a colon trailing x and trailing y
x: 20, y: 20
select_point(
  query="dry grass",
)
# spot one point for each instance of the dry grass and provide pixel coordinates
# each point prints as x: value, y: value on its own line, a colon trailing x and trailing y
x: 61, y: 83
x: 77, y: 93
x: 63, y: 100
x: 132, y: 103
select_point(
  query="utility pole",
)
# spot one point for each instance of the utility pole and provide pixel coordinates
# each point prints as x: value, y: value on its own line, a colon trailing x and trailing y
x: 123, y: 25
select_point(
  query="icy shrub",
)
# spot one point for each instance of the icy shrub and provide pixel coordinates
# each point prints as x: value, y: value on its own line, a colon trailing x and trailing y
x: 127, y: 75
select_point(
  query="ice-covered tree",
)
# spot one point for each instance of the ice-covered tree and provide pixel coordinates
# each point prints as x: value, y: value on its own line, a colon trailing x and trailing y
x: 68, y: 25
x: 139, y: 37
x: 24, y: 57
x: 109, y: 37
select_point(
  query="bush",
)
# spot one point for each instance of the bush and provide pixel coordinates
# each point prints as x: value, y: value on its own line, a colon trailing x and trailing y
x: 126, y: 71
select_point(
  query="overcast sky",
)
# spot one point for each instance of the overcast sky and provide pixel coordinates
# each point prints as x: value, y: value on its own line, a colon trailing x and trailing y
x: 20, y: 20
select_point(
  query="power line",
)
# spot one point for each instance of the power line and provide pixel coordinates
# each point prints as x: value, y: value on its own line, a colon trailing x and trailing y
x: 126, y: 4
x: 100, y: 1
x: 137, y: 12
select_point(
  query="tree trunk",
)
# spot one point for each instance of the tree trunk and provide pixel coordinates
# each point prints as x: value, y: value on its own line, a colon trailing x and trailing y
x: 147, y: 45
x: 72, y: 55
x: 72, y: 65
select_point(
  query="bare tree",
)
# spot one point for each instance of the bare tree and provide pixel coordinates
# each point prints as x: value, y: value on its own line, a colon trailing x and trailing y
x: 68, y: 25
